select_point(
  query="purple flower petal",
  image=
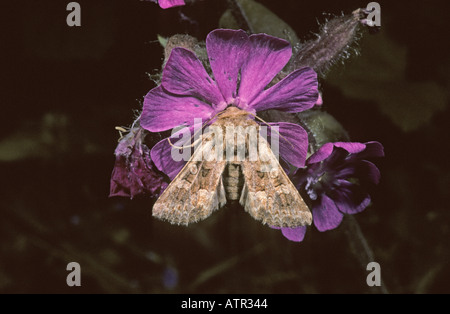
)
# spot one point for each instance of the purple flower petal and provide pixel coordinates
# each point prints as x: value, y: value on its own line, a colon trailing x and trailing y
x: 293, y: 142
x: 136, y: 174
x: 184, y: 74
x: 295, y: 93
x: 162, y: 152
x: 326, y: 215
x: 323, y: 153
x: 294, y: 234
x: 367, y: 172
x: 165, y: 4
x: 351, y: 147
x: 351, y: 198
x: 227, y: 51
x: 120, y: 181
x: 163, y: 111
x: 363, y: 170
x: 268, y: 55
x: 373, y: 149
x: 336, y: 152
x: 299, y: 177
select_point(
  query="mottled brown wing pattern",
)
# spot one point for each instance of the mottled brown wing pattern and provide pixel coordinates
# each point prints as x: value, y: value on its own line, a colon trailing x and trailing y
x: 268, y: 194
x: 196, y: 192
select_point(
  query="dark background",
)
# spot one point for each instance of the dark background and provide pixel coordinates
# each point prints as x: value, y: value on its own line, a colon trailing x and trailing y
x: 64, y: 89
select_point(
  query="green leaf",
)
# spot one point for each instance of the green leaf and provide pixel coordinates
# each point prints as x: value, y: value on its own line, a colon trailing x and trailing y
x: 378, y: 76
x: 259, y: 20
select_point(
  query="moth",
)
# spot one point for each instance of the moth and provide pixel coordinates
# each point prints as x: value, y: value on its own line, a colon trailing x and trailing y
x: 207, y: 181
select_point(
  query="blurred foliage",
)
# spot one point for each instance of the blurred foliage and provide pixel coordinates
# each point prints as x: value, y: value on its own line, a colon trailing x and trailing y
x: 382, y: 68
x: 251, y: 15
x: 65, y: 90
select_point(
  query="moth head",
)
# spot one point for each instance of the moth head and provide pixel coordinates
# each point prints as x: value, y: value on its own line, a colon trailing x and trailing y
x: 232, y: 111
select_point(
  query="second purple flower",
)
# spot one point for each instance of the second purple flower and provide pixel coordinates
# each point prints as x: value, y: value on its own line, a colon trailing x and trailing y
x: 336, y: 180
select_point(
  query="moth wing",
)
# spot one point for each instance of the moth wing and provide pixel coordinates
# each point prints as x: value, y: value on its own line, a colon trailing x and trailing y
x: 269, y: 195
x: 196, y: 192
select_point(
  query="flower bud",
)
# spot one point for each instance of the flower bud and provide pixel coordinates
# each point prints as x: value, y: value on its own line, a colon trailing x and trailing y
x: 332, y: 44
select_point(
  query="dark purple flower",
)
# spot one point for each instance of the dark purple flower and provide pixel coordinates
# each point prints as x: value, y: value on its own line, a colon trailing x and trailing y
x: 336, y: 179
x: 165, y: 4
x: 242, y: 68
x: 134, y: 172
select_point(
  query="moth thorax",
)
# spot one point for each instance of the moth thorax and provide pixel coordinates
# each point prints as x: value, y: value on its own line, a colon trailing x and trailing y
x: 233, y: 180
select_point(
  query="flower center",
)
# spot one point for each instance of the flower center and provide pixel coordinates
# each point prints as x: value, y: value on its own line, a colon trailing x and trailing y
x: 241, y: 104
x: 317, y: 184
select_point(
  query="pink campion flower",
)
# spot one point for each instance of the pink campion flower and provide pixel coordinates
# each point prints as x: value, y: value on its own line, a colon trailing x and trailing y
x: 134, y: 172
x: 242, y: 68
x: 165, y: 4
x: 336, y: 180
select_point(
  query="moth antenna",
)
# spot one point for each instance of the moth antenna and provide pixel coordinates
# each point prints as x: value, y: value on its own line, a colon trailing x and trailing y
x: 193, y: 144
x: 271, y: 129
